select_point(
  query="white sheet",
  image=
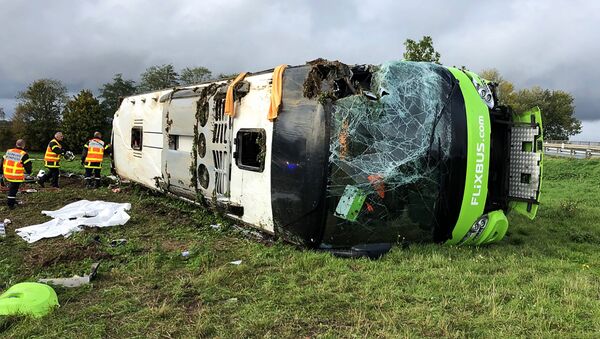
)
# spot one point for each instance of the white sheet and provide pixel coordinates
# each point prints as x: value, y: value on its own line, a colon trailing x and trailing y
x: 72, y: 217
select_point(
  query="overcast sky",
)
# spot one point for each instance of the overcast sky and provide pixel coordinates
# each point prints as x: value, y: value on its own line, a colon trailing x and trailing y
x: 552, y: 44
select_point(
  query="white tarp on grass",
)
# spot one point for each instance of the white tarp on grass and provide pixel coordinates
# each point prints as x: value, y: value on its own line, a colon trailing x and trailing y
x: 73, y: 217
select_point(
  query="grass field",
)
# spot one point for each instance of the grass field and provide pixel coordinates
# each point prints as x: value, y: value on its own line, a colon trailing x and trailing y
x: 74, y: 166
x: 542, y: 280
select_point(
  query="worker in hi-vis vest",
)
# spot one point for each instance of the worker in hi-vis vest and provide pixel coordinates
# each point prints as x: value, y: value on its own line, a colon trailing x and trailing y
x: 54, y: 151
x: 15, y: 164
x: 91, y: 159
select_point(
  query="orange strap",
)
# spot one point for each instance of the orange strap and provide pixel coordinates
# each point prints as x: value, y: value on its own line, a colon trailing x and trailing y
x: 229, y: 109
x: 276, y: 92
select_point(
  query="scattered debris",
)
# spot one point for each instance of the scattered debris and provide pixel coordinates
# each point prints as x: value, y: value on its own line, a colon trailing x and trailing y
x: 2, y: 230
x: 30, y: 190
x: 40, y: 173
x: 216, y: 226
x: 7, y: 221
x: 185, y: 254
x: 69, y: 156
x: 248, y: 233
x: 75, y: 281
x: 29, y: 298
x: 117, y: 242
x: 116, y: 190
x: 231, y: 300
x: 72, y: 217
x: 113, y: 178
x: 237, y: 262
x: 71, y: 175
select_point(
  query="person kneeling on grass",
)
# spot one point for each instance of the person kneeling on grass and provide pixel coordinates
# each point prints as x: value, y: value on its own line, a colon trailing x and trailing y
x: 15, y: 164
x: 91, y: 159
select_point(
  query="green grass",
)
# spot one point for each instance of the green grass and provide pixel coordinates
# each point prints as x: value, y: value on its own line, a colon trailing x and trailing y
x: 542, y: 280
x: 74, y: 166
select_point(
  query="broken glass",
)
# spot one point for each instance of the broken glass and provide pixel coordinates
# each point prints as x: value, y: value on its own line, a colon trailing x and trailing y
x: 388, y: 150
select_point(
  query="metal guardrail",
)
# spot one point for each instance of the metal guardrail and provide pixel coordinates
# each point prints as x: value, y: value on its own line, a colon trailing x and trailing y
x: 570, y: 142
x: 570, y: 149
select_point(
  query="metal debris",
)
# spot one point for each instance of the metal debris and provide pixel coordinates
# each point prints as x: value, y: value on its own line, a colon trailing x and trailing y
x: 117, y: 242
x: 75, y: 281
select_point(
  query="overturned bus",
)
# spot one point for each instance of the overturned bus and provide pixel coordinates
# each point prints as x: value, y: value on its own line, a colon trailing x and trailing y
x: 350, y: 155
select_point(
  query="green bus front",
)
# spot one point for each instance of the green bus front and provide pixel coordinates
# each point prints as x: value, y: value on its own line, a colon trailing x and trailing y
x: 403, y: 151
x: 430, y: 157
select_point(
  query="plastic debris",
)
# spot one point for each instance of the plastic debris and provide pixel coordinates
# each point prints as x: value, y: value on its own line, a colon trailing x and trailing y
x: 2, y: 230
x: 116, y: 190
x: 74, y: 281
x: 237, y: 262
x: 29, y: 298
x: 185, y: 254
x: 69, y: 156
x: 216, y: 226
x: 40, y: 173
x: 231, y: 300
x: 72, y: 217
x: 117, y: 242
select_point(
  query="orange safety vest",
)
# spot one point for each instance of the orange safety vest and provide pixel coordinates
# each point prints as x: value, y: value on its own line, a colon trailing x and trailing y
x: 95, y: 153
x: 52, y: 159
x: 12, y: 165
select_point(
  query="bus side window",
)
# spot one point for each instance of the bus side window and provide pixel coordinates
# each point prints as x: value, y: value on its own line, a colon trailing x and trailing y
x: 251, y: 149
x: 173, y: 142
x: 136, y: 138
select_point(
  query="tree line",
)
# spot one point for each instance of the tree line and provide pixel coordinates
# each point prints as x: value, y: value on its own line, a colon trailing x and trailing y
x: 557, y: 106
x: 44, y: 107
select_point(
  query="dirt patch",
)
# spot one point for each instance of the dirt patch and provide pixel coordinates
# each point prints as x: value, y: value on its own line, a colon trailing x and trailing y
x: 172, y: 245
x: 50, y: 253
x: 327, y: 78
x: 70, y: 180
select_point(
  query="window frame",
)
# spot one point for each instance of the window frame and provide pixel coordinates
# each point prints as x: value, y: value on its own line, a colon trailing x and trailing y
x: 239, y: 149
x: 134, y: 129
x: 173, y: 142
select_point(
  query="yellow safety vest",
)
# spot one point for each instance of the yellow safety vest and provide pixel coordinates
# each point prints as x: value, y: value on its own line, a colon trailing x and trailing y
x: 95, y: 153
x: 12, y: 165
x: 51, y: 159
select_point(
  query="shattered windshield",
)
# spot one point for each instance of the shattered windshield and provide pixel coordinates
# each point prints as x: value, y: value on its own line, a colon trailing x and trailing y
x: 388, y: 148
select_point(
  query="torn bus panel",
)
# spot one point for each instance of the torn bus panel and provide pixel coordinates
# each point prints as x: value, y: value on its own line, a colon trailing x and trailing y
x: 357, y: 154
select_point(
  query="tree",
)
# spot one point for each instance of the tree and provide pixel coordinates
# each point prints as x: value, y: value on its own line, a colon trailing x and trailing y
x: 505, y: 89
x: 38, y: 112
x: 7, y: 139
x: 225, y: 76
x: 81, y: 118
x: 194, y: 75
x: 557, y: 111
x: 557, y: 106
x: 6, y: 135
x: 111, y: 92
x: 421, y: 51
x: 158, y: 77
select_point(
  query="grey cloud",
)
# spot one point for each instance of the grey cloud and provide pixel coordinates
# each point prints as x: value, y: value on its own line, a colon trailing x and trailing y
x: 84, y: 43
